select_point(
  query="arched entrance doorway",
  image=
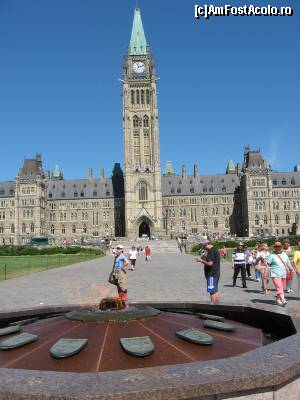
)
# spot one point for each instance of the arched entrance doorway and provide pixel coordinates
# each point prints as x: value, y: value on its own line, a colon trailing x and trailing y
x: 144, y: 229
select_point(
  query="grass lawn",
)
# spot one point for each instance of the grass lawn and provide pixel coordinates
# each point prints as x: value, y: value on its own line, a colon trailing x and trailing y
x: 23, y: 265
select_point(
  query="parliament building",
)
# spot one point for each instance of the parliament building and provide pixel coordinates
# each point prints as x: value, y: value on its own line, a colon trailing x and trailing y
x: 248, y: 200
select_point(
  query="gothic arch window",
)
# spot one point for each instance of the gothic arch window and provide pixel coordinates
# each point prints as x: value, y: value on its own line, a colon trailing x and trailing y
x: 256, y: 220
x: 178, y: 190
x: 132, y: 96
x: 192, y: 190
x: 52, y: 230
x: 23, y: 228
x: 143, y: 191
x: 63, y: 229
x: 216, y: 224
x: 265, y: 220
x: 287, y: 219
x: 226, y: 223
x: 32, y: 228
x: 276, y: 219
x: 148, y: 96
x: 84, y: 229
x: 142, y: 97
x: 135, y: 121
x: 205, y: 224
x: 12, y: 228
x: 146, y: 121
x: 73, y: 229
x: 137, y: 97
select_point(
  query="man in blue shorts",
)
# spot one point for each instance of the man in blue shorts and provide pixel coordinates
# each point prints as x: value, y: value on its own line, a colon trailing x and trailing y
x: 212, y: 271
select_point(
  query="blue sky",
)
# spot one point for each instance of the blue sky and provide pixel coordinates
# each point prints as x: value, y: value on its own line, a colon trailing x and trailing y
x: 224, y: 83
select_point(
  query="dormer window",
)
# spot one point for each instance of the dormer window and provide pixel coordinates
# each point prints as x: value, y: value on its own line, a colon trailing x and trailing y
x: 82, y: 194
x: 178, y: 190
x: 293, y: 182
x: 284, y: 181
x: 192, y: 190
x: 75, y: 194
x: 50, y: 195
x: 211, y: 189
x: 275, y: 182
x: 63, y: 194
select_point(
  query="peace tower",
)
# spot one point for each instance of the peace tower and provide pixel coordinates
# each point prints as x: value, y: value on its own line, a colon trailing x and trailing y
x: 143, y: 197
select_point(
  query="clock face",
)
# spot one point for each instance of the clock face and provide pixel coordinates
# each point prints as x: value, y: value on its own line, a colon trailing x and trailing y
x: 139, y: 67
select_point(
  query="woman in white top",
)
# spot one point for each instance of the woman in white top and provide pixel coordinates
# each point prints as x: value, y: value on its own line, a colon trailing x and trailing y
x: 132, y: 257
x: 262, y: 266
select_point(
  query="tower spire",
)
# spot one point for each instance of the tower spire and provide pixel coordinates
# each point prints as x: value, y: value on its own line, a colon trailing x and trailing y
x: 138, y: 43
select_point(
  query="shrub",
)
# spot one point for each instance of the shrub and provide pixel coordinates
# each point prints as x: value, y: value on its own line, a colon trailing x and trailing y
x: 33, y: 251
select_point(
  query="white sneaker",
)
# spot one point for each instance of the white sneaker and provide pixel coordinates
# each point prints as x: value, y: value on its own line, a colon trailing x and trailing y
x: 289, y: 291
x: 279, y: 302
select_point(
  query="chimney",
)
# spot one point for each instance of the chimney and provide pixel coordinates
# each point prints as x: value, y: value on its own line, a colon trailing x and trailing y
x: 90, y: 176
x: 184, y: 171
x: 101, y: 175
x: 196, y: 170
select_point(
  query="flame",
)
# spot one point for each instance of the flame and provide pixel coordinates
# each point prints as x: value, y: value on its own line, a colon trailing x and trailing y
x: 76, y: 293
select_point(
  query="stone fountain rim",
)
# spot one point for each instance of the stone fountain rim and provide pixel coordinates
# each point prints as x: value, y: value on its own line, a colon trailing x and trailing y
x: 267, y: 367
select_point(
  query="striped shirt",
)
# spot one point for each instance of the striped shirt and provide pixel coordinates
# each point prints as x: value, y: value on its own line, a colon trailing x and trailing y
x: 239, y: 257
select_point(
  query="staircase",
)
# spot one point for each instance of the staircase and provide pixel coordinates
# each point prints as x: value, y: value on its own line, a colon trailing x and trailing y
x: 157, y: 246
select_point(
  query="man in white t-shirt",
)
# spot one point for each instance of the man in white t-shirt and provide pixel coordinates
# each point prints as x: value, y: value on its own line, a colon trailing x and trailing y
x: 132, y: 257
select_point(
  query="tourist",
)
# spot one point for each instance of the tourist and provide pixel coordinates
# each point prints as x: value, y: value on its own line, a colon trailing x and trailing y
x: 289, y: 277
x: 120, y: 265
x: 239, y: 264
x: 132, y: 257
x: 279, y: 264
x: 148, y: 253
x: 211, y: 271
x: 254, y: 255
x: 248, y: 262
x: 223, y: 252
x: 262, y: 267
x: 296, y: 265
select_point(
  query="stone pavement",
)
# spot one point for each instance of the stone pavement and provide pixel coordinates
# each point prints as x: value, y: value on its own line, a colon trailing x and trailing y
x: 167, y: 277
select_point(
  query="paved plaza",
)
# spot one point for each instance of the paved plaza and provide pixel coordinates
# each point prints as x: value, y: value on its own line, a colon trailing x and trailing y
x: 167, y: 277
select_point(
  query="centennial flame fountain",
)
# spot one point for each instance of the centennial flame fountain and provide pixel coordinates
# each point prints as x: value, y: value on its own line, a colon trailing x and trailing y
x: 167, y: 351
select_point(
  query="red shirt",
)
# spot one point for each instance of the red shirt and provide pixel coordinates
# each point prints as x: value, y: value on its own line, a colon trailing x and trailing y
x: 147, y: 251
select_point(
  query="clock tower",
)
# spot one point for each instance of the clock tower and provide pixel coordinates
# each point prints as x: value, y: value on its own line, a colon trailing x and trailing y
x: 143, y: 198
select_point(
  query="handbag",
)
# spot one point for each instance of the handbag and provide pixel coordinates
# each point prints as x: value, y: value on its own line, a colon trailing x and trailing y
x: 289, y: 275
x: 112, y: 279
x: 261, y: 266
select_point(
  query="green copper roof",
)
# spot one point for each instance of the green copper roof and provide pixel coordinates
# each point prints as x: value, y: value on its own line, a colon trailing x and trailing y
x: 138, y: 44
x: 169, y: 169
x: 230, y: 165
x: 57, y: 172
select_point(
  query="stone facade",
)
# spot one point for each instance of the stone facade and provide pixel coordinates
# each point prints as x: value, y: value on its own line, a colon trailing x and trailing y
x: 248, y: 200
